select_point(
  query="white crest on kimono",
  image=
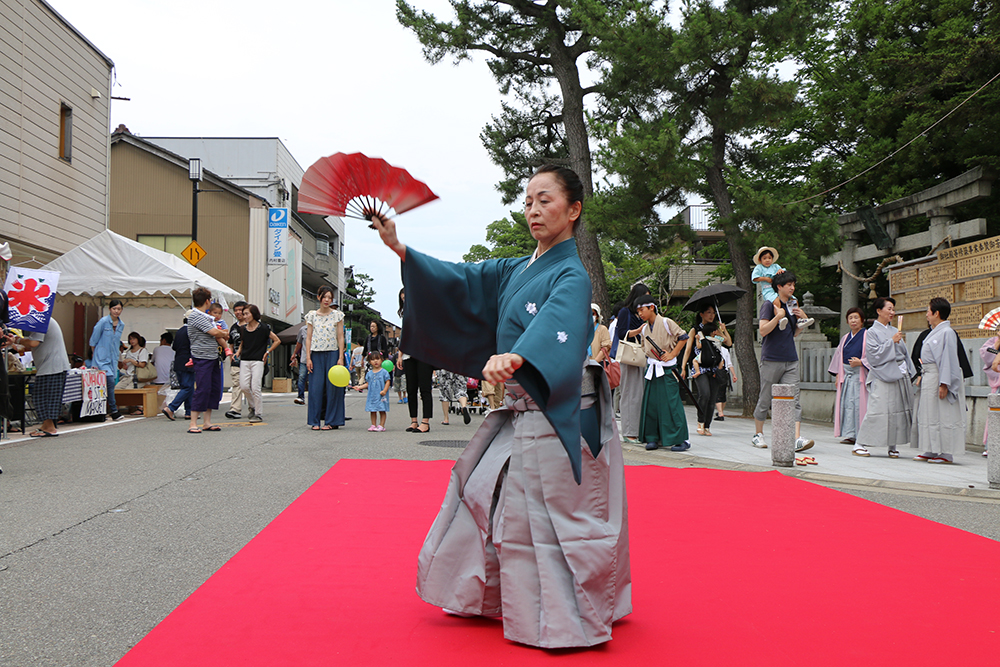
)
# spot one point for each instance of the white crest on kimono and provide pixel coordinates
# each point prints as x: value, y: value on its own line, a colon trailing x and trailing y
x: 531, y: 308
x: 562, y: 337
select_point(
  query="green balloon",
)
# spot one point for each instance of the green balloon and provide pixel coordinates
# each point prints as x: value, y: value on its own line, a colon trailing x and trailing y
x: 387, y: 365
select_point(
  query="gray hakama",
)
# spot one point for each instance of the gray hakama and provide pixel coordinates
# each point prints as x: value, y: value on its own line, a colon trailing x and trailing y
x: 890, y: 414
x: 850, y: 402
x: 517, y: 537
x: 941, y: 422
x: 534, y: 522
x: 631, y: 388
x: 889, y: 417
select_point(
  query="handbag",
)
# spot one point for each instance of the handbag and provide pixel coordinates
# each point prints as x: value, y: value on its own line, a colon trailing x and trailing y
x: 613, y: 370
x: 146, y: 373
x: 630, y: 354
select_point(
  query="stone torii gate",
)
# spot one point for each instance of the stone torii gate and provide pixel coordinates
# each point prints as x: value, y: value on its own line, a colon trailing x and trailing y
x: 882, y: 226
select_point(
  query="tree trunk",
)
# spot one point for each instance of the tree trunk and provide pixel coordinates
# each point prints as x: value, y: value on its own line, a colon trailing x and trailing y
x: 578, y: 141
x: 743, y: 341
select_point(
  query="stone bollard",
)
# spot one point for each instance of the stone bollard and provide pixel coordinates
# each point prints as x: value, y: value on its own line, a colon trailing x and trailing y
x: 783, y: 425
x: 993, y: 445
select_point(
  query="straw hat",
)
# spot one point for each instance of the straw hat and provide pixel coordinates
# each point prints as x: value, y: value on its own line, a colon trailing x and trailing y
x: 774, y: 253
x: 593, y: 307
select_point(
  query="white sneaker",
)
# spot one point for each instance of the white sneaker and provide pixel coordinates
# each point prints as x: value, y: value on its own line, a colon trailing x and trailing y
x: 783, y: 323
x: 758, y: 441
x: 802, y: 444
x: 808, y: 322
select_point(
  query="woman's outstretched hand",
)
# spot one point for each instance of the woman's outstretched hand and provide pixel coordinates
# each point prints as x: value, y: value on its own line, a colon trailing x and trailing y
x: 501, y: 367
x: 386, y: 228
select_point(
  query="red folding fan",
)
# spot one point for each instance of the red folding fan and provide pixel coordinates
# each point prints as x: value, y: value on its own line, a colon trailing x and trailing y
x: 349, y: 185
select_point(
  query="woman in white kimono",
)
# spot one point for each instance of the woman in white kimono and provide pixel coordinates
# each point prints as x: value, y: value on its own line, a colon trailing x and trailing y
x: 889, y: 416
x: 852, y: 375
x: 534, y: 524
x: 941, y: 418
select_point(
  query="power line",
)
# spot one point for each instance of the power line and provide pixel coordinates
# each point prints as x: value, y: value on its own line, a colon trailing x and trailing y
x: 898, y: 150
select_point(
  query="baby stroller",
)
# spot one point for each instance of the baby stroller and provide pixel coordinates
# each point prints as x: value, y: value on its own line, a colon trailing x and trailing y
x: 476, y: 401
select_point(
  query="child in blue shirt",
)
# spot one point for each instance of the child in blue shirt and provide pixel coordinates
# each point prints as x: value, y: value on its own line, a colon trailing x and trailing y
x: 377, y: 384
x: 767, y: 267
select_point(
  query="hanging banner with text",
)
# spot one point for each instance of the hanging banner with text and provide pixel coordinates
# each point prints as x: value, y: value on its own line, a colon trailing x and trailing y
x: 277, y: 233
x: 31, y: 294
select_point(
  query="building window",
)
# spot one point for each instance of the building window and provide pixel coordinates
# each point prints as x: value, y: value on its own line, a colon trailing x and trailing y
x: 341, y: 251
x: 65, y: 132
x: 167, y: 243
x: 322, y: 247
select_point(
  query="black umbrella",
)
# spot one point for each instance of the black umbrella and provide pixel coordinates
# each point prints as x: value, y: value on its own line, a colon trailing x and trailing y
x: 713, y: 295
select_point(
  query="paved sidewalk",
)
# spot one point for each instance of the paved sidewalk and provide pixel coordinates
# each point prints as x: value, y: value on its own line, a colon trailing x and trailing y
x: 729, y: 447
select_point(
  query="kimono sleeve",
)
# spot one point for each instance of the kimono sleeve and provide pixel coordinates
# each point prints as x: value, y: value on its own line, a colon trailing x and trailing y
x: 879, y: 348
x: 945, y: 349
x: 450, y: 312
x: 674, y: 329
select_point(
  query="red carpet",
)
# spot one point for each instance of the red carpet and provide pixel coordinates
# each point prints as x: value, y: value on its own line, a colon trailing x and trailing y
x: 729, y: 568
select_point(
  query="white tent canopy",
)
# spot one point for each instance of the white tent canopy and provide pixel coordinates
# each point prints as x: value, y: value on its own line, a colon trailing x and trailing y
x: 110, y: 266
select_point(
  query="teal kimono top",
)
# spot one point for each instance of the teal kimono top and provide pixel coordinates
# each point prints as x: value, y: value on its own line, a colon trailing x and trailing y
x: 456, y: 316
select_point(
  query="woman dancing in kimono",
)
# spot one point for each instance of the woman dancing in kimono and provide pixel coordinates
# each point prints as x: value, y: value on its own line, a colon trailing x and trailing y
x: 534, y: 525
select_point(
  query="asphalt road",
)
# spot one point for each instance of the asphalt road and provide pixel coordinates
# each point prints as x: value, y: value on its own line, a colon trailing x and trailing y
x: 106, y: 531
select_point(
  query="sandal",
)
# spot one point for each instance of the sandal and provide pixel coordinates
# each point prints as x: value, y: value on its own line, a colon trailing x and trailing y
x: 421, y: 430
x: 315, y: 428
x: 445, y: 423
x: 327, y: 427
x: 800, y: 461
x: 212, y: 427
x: 701, y: 429
x: 811, y: 460
x: 412, y: 427
x: 42, y: 434
x: 707, y: 432
x: 194, y: 430
x: 893, y: 454
x: 860, y: 452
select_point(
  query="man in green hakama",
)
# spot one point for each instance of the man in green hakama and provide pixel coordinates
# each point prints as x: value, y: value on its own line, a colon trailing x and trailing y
x: 663, y: 422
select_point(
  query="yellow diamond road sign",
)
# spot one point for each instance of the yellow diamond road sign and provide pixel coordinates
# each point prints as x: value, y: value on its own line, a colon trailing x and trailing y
x: 194, y: 253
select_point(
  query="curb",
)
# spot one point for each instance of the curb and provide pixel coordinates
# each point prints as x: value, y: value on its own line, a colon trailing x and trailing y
x: 679, y: 460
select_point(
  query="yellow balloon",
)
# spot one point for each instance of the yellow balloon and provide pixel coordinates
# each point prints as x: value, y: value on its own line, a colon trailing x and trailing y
x: 339, y: 376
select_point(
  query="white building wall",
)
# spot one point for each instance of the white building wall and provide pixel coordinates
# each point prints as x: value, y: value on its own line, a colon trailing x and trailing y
x: 257, y: 261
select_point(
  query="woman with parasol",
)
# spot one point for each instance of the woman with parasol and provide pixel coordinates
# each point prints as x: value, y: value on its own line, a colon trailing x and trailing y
x: 534, y: 523
x: 711, y: 376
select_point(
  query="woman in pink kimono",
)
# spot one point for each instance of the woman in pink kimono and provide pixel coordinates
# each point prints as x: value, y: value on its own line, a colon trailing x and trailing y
x: 848, y: 365
x: 991, y: 366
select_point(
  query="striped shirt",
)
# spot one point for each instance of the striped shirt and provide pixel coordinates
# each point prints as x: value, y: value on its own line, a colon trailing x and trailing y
x: 203, y: 346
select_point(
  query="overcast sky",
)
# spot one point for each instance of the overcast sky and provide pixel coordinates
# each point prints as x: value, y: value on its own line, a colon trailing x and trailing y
x: 325, y: 76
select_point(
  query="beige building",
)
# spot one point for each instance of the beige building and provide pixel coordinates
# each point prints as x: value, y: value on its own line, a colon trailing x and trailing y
x: 55, y: 91
x: 151, y: 202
